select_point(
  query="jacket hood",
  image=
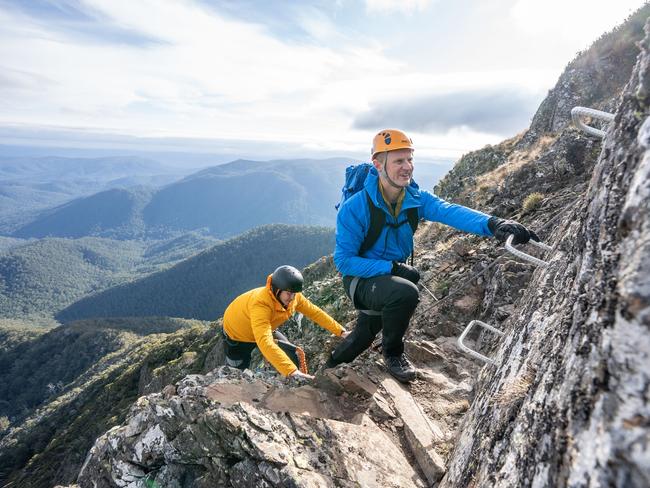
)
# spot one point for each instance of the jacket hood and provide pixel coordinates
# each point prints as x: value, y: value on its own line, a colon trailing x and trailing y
x: 275, y: 299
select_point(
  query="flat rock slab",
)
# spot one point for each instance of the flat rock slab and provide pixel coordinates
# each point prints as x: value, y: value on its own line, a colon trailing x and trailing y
x: 304, y: 400
x: 421, y: 433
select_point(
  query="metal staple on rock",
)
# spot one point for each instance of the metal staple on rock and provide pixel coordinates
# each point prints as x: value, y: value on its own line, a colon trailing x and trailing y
x: 527, y: 257
x: 577, y: 112
x: 466, y: 283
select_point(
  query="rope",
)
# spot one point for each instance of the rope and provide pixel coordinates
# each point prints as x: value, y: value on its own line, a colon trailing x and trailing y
x: 303, y: 360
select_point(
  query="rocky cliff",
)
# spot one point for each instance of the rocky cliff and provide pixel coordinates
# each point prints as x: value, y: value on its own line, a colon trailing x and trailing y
x: 566, y: 402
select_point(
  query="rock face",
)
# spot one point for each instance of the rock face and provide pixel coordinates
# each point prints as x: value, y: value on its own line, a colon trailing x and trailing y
x: 595, y: 78
x: 568, y: 403
x: 217, y: 430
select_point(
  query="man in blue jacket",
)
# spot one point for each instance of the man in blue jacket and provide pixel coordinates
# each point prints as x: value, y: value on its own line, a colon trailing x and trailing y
x: 378, y: 280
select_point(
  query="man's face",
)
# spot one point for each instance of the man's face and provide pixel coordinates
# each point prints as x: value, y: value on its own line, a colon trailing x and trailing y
x: 399, y: 166
x: 286, y: 297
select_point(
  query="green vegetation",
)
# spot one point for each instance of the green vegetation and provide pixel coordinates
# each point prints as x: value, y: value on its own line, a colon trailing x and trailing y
x: 619, y: 44
x: 37, y: 366
x: 7, y: 243
x: 201, y: 287
x: 112, y: 213
x: 532, y: 202
x: 39, y: 278
x: 50, y: 446
x: 15, y: 332
x: 43, y: 276
x: 442, y: 287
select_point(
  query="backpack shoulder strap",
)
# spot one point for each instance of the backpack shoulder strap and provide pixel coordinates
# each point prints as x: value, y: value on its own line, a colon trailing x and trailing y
x: 377, y: 220
x: 414, y: 219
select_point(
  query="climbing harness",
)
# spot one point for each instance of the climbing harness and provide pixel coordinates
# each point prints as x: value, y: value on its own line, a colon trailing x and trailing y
x: 577, y: 112
x: 353, y: 289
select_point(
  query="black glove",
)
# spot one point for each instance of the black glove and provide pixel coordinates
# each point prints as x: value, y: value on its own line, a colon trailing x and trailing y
x: 405, y: 271
x: 501, y: 228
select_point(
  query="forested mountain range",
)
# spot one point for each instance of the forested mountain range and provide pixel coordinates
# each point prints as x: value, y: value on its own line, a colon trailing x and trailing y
x: 82, y: 378
x: 47, y: 361
x: 234, y: 197
x: 39, y: 278
x: 221, y: 201
x: 116, y: 212
x: 29, y: 184
x: 202, y: 286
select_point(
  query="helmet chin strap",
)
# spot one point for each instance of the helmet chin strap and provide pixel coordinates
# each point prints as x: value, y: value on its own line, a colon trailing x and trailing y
x: 390, y: 182
x: 384, y: 173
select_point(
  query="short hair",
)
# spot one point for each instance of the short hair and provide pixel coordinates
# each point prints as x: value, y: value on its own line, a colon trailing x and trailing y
x: 385, y: 157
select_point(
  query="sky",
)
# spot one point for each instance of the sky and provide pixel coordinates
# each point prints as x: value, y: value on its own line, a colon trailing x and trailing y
x: 292, y: 78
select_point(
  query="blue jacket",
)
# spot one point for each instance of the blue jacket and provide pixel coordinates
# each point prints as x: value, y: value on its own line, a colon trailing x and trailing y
x: 394, y: 244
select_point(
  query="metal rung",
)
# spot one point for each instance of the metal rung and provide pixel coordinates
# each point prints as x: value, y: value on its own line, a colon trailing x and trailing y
x: 472, y: 352
x: 577, y: 112
x: 525, y: 256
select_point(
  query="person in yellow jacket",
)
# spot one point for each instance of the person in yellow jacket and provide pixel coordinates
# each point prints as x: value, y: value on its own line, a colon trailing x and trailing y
x: 252, y: 318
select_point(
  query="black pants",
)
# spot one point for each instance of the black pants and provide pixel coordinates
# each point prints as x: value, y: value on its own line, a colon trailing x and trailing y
x: 396, y: 299
x: 238, y: 354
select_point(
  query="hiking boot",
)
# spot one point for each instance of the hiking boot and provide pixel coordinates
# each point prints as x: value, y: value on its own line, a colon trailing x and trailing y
x: 330, y: 363
x: 400, y: 367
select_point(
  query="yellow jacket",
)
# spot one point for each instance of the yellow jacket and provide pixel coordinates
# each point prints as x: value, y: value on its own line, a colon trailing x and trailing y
x: 254, y: 315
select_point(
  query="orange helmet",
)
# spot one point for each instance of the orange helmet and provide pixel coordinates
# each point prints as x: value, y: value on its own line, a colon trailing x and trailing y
x: 390, y: 140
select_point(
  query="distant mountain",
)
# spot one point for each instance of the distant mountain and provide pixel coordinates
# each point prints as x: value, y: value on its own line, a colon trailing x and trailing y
x: 235, y: 197
x: 30, y: 184
x: 40, y: 278
x: 112, y: 213
x: 56, y: 171
x: 201, y: 287
x: 223, y: 201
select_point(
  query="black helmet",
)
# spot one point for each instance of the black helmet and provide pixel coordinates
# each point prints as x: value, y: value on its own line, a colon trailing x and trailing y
x: 286, y: 278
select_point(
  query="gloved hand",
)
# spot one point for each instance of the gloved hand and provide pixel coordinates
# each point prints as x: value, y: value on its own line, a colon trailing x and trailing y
x: 405, y: 271
x: 502, y: 228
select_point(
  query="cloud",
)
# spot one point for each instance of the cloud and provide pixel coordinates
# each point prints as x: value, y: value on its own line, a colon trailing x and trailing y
x: 577, y: 21
x: 72, y: 19
x: 503, y: 111
x: 300, y: 72
x: 403, y: 6
x: 207, y: 76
